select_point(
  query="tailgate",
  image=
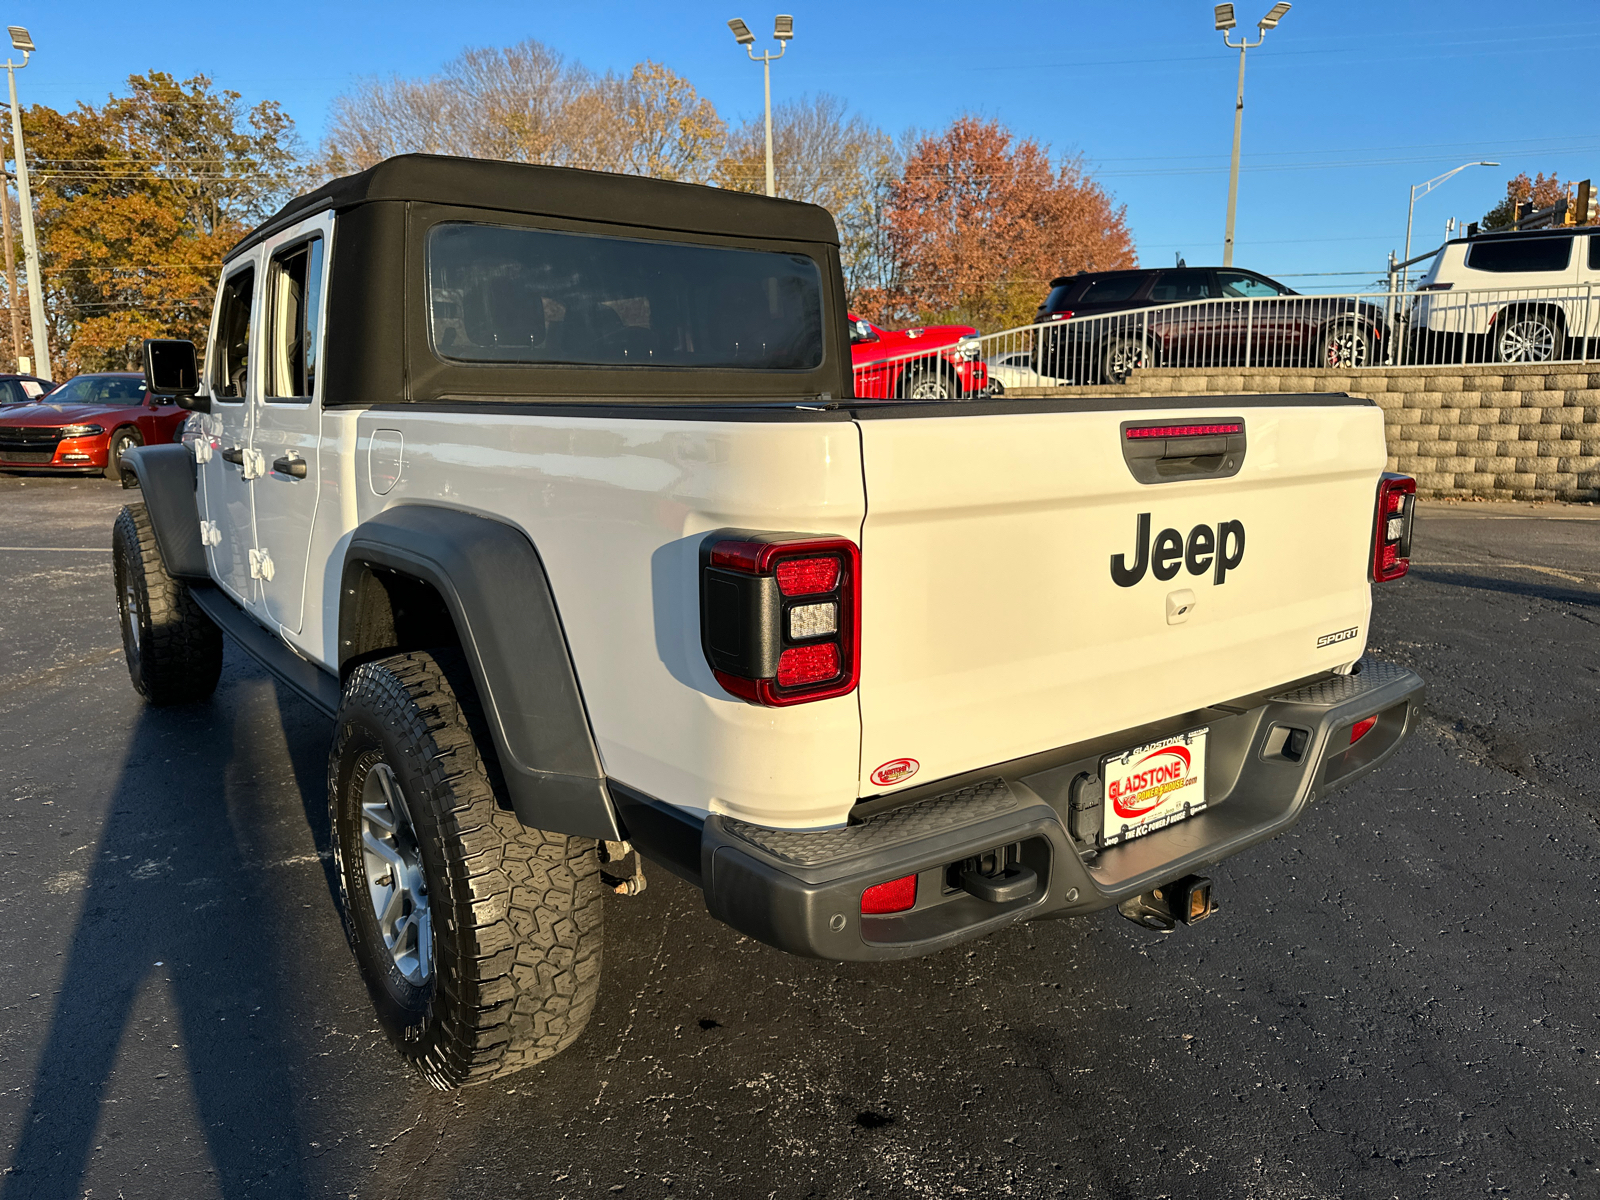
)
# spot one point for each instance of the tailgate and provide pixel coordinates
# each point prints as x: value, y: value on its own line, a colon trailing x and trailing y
x: 993, y: 626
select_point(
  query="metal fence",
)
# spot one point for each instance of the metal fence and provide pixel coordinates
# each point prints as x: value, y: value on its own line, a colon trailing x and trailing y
x: 1426, y: 326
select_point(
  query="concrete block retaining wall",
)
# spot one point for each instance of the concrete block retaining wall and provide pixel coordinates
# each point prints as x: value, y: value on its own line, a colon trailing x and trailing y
x: 1496, y: 432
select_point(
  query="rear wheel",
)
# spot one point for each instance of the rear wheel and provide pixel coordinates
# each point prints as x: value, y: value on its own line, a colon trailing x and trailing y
x: 1122, y: 356
x: 1527, y: 337
x: 121, y: 440
x: 479, y: 939
x: 174, y: 650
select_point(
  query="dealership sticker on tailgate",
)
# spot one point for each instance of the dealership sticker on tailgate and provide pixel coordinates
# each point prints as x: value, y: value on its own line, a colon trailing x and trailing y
x: 1154, y: 786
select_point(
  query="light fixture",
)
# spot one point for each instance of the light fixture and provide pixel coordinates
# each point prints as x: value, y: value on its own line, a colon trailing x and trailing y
x: 783, y: 27
x: 1225, y: 19
x: 20, y: 39
x: 741, y: 32
x: 1270, y: 21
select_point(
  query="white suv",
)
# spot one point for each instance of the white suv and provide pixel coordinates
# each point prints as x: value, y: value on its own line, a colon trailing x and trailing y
x: 1508, y: 297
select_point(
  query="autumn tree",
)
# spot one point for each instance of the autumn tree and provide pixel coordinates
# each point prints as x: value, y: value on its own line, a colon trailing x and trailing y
x: 1543, y: 190
x: 136, y: 202
x: 980, y: 222
x: 823, y: 154
x: 527, y: 103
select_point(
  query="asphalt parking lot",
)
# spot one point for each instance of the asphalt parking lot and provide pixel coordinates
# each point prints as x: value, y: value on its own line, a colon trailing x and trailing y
x: 1398, y: 999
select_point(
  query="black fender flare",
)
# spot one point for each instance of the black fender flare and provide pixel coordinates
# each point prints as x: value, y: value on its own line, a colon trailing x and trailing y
x: 168, y: 478
x: 491, y: 579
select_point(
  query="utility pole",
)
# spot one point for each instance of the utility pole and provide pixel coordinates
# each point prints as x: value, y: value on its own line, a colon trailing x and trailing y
x: 783, y: 30
x: 1225, y: 22
x: 11, y: 267
x: 30, y: 242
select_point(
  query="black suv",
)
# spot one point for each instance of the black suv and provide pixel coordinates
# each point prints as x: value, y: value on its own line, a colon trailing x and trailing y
x: 1113, y: 321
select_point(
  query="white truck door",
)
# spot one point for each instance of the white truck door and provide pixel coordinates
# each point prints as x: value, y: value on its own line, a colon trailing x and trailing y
x: 231, y: 375
x: 288, y: 417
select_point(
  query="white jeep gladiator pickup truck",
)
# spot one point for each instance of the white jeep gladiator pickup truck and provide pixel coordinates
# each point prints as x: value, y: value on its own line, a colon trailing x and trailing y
x: 548, y: 487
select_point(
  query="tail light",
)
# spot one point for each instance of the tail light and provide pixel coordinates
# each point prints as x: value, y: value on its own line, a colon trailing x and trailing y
x: 1061, y: 316
x: 1391, y: 534
x: 780, y: 615
x: 1361, y: 728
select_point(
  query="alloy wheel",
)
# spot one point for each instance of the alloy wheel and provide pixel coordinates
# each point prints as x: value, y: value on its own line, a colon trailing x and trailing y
x: 395, y: 884
x: 1527, y: 340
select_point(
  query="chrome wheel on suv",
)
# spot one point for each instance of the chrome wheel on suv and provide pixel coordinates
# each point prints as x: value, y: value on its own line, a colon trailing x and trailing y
x: 1527, y: 337
x: 395, y: 883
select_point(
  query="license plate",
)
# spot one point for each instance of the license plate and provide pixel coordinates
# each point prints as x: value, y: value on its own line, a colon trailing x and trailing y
x: 1153, y: 786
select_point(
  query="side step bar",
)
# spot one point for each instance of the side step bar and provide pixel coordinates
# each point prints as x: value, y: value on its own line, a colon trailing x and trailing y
x: 318, y: 687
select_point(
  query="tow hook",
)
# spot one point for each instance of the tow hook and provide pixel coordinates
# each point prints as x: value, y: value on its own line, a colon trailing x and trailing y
x: 995, y: 876
x: 1186, y: 901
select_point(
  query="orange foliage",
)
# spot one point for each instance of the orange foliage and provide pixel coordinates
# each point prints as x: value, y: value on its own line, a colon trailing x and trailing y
x: 978, y: 225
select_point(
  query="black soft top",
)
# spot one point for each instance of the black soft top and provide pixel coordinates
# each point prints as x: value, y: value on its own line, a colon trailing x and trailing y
x: 559, y: 192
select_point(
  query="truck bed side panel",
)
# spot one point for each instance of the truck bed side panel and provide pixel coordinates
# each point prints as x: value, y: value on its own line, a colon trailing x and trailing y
x: 617, y: 509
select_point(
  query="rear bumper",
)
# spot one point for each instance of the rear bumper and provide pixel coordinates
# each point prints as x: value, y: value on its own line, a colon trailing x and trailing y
x: 801, y: 892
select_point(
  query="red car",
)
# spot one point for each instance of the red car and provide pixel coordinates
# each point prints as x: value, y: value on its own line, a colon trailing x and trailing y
x: 938, y: 362
x: 86, y: 424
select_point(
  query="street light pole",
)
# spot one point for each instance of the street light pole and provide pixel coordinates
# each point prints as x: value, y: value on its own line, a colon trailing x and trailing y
x: 30, y: 242
x: 783, y: 30
x: 1225, y: 22
x: 1422, y: 189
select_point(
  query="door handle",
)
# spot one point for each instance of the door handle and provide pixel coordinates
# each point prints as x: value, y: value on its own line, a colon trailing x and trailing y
x: 235, y: 455
x: 290, y: 465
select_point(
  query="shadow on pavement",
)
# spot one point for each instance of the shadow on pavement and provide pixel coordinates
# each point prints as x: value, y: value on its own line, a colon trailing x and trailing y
x: 177, y: 900
x: 1511, y: 587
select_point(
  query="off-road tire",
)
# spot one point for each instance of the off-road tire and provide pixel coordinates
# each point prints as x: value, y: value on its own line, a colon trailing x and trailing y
x: 174, y: 651
x: 121, y: 440
x: 515, y: 913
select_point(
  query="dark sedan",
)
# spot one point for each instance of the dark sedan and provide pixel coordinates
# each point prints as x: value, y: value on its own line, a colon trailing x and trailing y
x: 1114, y: 321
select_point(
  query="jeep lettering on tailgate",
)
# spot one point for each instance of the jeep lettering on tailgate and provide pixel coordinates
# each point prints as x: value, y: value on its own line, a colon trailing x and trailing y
x: 1223, y: 545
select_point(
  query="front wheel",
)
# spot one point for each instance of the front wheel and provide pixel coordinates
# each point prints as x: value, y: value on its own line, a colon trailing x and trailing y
x: 1530, y: 337
x: 929, y: 383
x: 1346, y: 345
x: 121, y: 441
x: 174, y: 650
x: 479, y: 939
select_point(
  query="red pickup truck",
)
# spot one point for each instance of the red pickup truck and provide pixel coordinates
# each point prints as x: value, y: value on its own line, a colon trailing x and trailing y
x: 936, y: 362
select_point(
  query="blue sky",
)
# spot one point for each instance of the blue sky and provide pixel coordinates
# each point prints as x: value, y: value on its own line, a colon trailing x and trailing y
x: 1346, y: 105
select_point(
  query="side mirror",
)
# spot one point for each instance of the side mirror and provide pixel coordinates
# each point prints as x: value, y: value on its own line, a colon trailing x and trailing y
x: 861, y: 331
x: 170, y: 369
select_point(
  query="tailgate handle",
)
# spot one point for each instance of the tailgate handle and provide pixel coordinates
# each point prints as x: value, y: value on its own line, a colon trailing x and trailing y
x: 1165, y: 451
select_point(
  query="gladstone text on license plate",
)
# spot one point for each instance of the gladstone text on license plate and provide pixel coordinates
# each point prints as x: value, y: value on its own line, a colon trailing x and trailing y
x: 1154, y: 786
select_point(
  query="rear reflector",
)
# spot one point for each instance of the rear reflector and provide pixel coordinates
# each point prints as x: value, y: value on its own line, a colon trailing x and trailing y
x: 807, y: 576
x: 1173, y: 431
x: 1361, y: 728
x: 1391, y: 533
x: 895, y: 896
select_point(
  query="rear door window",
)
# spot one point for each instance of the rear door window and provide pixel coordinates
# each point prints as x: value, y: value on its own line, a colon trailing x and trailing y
x: 1114, y: 289
x: 1517, y: 255
x: 1174, y: 287
x: 296, y: 294
x: 1594, y: 253
x: 500, y: 294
